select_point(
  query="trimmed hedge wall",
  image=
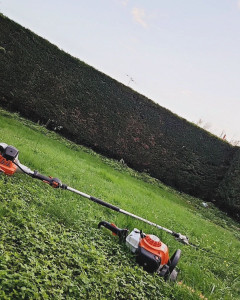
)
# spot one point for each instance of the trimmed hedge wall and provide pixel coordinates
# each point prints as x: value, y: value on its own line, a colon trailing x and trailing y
x: 229, y: 190
x: 44, y: 83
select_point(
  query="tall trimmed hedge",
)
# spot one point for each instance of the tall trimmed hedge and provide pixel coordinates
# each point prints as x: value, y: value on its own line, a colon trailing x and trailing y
x: 229, y: 189
x: 43, y: 83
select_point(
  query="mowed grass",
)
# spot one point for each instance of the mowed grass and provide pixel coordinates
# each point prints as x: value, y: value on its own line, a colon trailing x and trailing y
x: 51, y: 248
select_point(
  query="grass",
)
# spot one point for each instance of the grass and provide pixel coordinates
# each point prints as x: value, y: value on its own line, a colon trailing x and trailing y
x: 50, y: 247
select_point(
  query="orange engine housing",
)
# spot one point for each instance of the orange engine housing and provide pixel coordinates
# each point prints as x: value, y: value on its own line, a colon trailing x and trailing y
x: 7, y: 166
x: 152, y: 244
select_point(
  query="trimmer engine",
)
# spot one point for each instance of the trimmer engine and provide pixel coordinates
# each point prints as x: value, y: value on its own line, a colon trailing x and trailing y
x: 151, y: 253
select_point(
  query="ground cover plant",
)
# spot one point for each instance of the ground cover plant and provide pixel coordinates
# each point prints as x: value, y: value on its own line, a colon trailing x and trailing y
x: 50, y: 247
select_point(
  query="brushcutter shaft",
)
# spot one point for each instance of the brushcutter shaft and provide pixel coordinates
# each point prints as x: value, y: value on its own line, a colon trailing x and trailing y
x: 99, y: 201
x: 103, y: 203
x: 179, y: 237
x: 78, y: 192
x: 108, y: 205
x: 145, y: 221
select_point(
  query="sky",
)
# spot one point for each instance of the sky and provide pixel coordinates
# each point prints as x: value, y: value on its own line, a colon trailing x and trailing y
x: 184, y: 55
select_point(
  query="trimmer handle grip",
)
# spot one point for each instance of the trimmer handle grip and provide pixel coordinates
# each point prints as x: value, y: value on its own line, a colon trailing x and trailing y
x: 54, y: 182
x: 121, y: 233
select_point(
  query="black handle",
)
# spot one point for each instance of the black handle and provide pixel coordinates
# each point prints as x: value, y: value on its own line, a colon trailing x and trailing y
x: 121, y: 233
x: 54, y: 182
x: 103, y: 203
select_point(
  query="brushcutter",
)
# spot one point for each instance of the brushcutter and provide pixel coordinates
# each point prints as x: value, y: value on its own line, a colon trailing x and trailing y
x: 150, y: 252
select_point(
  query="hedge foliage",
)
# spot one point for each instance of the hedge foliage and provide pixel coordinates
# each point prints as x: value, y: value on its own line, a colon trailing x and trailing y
x: 229, y: 189
x: 48, y: 85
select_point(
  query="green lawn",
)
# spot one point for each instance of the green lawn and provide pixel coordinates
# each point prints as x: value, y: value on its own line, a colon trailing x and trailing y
x: 50, y: 247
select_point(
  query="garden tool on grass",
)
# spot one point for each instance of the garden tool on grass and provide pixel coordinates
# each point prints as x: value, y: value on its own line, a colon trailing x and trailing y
x: 151, y: 253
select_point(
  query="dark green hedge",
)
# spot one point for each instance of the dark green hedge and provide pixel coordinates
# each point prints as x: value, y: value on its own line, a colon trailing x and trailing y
x: 44, y: 83
x: 229, y: 189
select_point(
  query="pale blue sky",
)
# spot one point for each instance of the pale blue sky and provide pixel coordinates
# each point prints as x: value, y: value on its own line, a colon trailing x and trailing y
x: 184, y: 55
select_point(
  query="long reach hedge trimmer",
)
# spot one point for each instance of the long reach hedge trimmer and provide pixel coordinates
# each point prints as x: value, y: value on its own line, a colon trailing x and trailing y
x: 150, y: 252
